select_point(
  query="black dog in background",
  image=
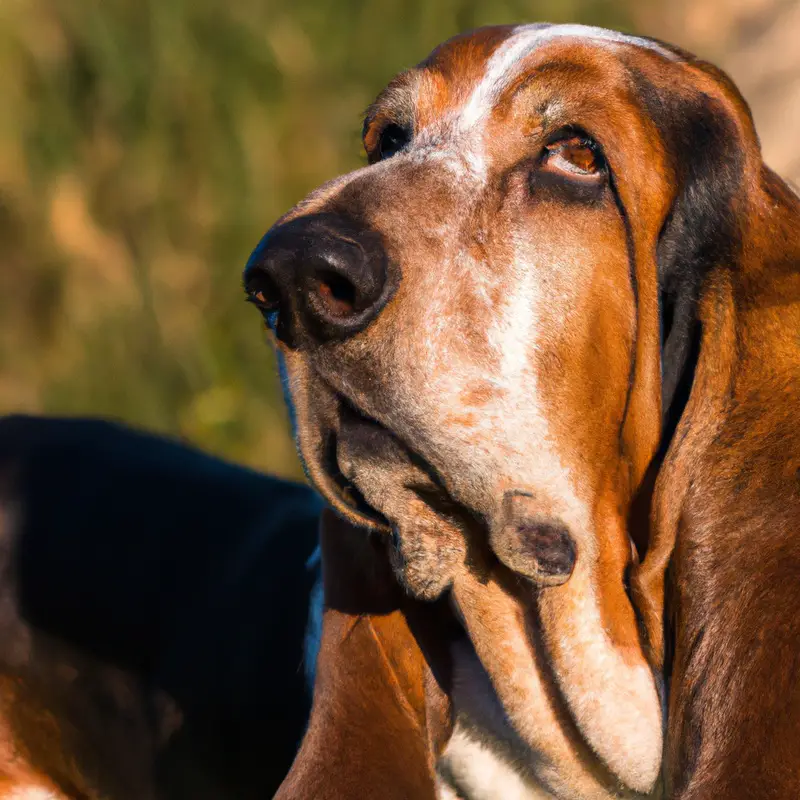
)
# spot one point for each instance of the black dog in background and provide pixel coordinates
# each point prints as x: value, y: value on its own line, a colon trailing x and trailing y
x: 168, y: 589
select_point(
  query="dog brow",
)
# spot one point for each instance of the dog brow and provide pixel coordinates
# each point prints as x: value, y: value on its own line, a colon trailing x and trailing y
x: 503, y: 66
x: 536, y: 74
x: 397, y: 101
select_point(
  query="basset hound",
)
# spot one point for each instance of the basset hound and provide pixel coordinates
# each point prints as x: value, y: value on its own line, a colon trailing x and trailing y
x: 153, y: 608
x: 543, y: 356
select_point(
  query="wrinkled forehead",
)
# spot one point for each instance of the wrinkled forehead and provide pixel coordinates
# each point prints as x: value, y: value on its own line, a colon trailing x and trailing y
x: 465, y: 78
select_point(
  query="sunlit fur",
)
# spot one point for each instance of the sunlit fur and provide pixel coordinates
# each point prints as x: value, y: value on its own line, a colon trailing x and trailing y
x: 521, y: 354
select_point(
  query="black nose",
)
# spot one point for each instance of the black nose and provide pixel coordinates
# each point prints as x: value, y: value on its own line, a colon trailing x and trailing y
x: 324, y: 275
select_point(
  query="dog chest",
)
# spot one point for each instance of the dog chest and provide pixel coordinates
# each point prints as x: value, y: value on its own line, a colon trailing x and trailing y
x: 483, y: 760
x: 473, y: 770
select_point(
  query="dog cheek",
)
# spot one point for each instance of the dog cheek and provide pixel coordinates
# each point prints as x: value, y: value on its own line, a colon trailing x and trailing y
x: 426, y: 549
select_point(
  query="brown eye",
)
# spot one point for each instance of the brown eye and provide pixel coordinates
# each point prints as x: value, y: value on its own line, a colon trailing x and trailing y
x: 576, y: 156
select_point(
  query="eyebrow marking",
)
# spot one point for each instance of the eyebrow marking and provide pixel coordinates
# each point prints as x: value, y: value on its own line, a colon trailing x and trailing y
x: 396, y: 101
x: 504, y: 63
x: 455, y: 139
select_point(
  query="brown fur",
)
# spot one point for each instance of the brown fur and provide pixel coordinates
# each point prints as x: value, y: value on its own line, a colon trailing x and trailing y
x: 379, y: 715
x: 726, y: 502
x: 730, y: 501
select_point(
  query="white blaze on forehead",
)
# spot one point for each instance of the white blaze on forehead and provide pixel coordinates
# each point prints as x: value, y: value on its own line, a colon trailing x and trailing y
x: 503, y: 64
x: 462, y: 149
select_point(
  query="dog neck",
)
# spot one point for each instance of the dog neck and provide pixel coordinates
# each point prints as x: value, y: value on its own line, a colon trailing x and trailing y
x: 484, y: 758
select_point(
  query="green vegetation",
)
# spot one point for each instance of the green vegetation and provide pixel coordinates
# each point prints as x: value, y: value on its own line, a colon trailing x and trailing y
x: 145, y: 146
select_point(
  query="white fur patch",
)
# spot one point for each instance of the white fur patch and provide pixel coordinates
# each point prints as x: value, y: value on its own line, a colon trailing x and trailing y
x: 31, y: 793
x: 503, y: 65
x: 482, y: 774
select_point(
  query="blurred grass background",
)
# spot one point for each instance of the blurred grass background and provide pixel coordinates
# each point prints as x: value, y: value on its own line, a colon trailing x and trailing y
x: 145, y: 146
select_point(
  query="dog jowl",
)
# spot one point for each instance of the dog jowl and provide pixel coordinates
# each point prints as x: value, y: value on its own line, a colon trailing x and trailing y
x: 470, y: 333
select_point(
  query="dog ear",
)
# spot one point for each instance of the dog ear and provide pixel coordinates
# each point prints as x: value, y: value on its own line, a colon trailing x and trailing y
x: 701, y: 125
x: 706, y: 156
x: 725, y: 508
x: 371, y: 731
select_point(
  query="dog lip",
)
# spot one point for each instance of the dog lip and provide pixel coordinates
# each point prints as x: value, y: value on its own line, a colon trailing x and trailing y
x: 354, y: 422
x: 346, y: 492
x: 351, y: 417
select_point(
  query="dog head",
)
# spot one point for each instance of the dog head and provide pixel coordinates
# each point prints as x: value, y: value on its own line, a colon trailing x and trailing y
x: 485, y: 334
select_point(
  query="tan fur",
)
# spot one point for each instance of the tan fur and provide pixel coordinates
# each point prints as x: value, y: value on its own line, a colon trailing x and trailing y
x: 519, y: 354
x: 511, y: 313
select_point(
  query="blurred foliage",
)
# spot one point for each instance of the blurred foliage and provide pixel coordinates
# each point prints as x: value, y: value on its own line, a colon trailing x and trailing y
x: 145, y: 145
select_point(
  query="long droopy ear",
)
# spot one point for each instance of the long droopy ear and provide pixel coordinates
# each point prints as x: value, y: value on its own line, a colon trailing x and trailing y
x: 704, y: 149
x: 726, y: 506
x: 379, y: 717
x: 705, y: 125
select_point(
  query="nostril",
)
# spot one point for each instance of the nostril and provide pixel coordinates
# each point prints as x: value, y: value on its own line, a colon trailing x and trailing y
x: 342, y: 287
x: 338, y: 294
x: 262, y: 291
x: 321, y: 276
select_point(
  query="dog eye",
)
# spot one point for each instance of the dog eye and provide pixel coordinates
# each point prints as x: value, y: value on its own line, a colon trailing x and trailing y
x: 393, y: 138
x: 577, y: 156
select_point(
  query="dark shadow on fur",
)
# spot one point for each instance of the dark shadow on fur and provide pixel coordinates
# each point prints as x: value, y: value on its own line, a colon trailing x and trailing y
x: 186, y: 572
